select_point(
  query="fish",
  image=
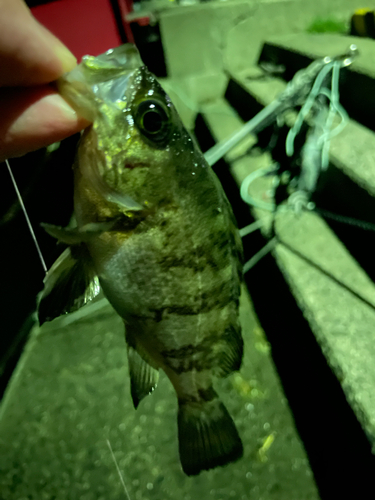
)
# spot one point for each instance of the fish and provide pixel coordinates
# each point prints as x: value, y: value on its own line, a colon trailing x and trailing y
x: 156, y: 233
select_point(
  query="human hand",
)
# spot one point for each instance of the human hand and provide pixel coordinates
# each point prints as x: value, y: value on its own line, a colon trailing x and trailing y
x: 32, y: 113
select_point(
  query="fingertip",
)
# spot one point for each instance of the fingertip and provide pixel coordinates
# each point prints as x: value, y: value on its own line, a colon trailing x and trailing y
x: 44, y: 118
x: 55, y: 112
x: 66, y: 58
x: 30, y: 54
x: 61, y: 57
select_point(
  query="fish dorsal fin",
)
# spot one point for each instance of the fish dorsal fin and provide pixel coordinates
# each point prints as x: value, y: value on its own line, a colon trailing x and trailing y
x: 143, y: 377
x: 69, y: 284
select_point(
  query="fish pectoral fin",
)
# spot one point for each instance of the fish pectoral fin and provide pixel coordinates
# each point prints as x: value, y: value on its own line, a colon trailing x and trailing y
x: 69, y: 284
x: 77, y: 236
x: 143, y: 377
x: 207, y: 435
x: 123, y: 201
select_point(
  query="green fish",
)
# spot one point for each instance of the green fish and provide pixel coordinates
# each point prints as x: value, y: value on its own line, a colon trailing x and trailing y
x: 156, y: 232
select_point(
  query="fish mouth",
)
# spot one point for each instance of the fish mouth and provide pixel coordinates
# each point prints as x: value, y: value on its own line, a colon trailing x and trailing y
x: 96, y: 89
x: 100, y: 79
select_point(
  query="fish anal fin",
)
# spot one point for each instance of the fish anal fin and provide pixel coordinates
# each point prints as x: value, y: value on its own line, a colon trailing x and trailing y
x: 70, y: 283
x: 143, y: 377
x: 207, y: 435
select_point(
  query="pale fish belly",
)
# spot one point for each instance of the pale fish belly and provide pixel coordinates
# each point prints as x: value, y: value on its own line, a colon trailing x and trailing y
x: 179, y: 301
x: 176, y: 292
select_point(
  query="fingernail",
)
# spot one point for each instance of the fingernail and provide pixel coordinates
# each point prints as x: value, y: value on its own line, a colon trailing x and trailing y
x: 67, y: 59
x: 60, y: 103
x: 66, y: 109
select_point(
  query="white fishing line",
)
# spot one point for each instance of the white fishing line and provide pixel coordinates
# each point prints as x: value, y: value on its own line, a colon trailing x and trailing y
x: 221, y: 148
x: 251, y: 228
x: 335, y: 108
x: 26, y: 217
x: 244, y: 189
x: 274, y: 241
x: 118, y: 470
x: 259, y: 255
x: 305, y: 110
x: 323, y: 142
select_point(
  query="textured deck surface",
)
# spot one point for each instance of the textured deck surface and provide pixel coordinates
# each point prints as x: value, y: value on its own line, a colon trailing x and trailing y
x: 336, y: 295
x: 70, y: 393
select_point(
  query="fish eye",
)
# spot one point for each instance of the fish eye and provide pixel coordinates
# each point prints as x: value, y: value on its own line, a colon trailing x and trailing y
x: 152, y: 120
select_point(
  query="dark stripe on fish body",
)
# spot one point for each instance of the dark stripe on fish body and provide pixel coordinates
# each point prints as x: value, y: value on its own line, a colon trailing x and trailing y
x: 207, y: 342
x: 188, y: 262
x: 208, y: 302
x: 197, y: 260
x: 189, y: 364
x: 204, y: 395
x: 202, y: 357
x: 222, y: 240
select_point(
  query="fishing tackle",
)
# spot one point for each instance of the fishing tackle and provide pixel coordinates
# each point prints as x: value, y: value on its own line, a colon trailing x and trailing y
x: 299, y: 168
x: 297, y: 92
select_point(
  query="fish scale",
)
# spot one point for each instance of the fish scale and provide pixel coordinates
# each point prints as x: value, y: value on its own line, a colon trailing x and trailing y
x: 155, y: 227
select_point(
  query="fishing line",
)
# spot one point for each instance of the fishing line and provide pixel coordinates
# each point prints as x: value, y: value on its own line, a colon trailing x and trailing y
x: 118, y: 470
x: 26, y: 217
x: 324, y: 140
x: 259, y: 255
x: 344, y: 219
x: 269, y: 246
x: 294, y: 131
x: 251, y: 228
x: 272, y: 243
x: 324, y: 271
x: 244, y: 189
x: 335, y: 108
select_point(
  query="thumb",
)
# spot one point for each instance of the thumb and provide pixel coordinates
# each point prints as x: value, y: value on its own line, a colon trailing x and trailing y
x: 29, y: 53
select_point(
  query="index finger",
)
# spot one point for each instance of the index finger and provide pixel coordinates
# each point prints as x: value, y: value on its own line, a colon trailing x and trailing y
x: 29, y: 53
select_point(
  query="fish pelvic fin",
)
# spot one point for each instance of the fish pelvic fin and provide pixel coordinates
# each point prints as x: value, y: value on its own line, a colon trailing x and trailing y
x: 70, y: 283
x: 207, y: 435
x: 143, y: 377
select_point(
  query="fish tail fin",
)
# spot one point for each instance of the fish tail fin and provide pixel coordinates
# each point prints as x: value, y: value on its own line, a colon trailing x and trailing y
x: 207, y: 435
